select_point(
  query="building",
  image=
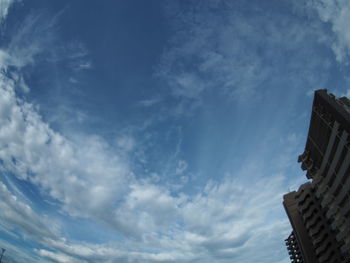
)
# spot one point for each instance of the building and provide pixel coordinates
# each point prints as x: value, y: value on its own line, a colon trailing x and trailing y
x: 319, y: 211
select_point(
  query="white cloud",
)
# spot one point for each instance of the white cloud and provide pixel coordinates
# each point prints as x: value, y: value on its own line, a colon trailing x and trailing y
x: 15, y: 254
x: 74, y: 252
x: 4, y: 8
x: 147, y: 208
x: 33, y: 37
x: 224, y: 222
x: 16, y: 214
x: 217, y: 225
x: 81, y: 64
x: 187, y: 85
x: 181, y: 167
x: 149, y: 102
x: 33, y: 151
x: 126, y: 143
x: 230, y: 55
x: 36, y: 36
x: 337, y: 14
x: 58, y: 257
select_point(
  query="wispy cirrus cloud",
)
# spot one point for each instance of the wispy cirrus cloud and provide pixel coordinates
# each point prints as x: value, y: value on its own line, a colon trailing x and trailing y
x: 20, y: 215
x: 149, y: 102
x: 226, y: 54
x: 32, y: 37
x: 337, y: 14
x: 35, y: 39
x: 4, y: 8
x: 20, y: 222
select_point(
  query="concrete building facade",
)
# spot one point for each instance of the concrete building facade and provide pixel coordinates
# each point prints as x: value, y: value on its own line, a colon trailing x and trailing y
x: 319, y: 211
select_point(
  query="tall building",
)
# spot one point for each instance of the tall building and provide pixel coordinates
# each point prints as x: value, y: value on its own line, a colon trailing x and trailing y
x: 319, y: 211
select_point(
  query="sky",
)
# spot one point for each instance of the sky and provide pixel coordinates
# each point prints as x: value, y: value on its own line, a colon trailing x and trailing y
x: 159, y: 130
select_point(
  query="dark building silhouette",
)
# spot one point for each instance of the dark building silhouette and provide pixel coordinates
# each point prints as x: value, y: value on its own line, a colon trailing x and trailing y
x: 319, y: 211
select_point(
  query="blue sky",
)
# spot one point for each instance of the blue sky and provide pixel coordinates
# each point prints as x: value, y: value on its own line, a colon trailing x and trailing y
x: 159, y: 131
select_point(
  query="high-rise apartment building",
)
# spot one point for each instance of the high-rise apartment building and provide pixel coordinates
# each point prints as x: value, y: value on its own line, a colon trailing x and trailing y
x: 319, y: 211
